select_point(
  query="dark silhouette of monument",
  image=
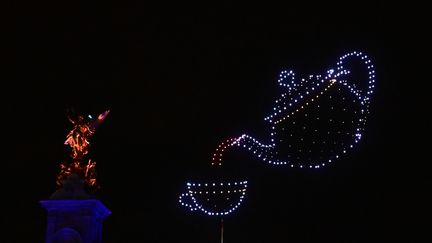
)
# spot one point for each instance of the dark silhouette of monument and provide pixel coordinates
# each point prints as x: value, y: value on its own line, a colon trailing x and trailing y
x: 75, y: 215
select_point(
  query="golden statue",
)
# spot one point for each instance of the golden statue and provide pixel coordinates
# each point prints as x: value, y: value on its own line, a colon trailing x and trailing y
x: 78, y: 140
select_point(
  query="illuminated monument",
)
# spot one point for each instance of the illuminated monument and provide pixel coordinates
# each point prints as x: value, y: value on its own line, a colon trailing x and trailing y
x: 314, y: 122
x: 74, y: 213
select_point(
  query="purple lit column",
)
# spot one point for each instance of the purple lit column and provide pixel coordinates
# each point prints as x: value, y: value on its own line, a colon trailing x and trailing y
x: 74, y: 221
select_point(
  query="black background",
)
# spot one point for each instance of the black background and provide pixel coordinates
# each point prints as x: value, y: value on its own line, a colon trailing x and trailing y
x: 181, y: 78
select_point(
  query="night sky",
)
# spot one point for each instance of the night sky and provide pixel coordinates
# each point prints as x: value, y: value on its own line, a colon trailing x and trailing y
x: 178, y: 80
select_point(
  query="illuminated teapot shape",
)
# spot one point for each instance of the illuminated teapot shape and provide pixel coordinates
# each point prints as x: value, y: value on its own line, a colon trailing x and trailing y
x: 314, y: 122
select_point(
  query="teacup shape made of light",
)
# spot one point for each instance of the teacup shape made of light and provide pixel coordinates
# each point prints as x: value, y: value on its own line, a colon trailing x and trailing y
x: 214, y: 199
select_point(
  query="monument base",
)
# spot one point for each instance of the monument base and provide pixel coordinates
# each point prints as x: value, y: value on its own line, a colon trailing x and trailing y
x: 74, y: 221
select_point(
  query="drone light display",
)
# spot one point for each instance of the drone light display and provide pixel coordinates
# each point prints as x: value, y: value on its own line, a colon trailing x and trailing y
x: 203, y: 197
x: 314, y: 122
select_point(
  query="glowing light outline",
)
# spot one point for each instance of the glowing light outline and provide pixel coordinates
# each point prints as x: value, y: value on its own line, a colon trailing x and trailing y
x: 331, y: 78
x: 196, y: 206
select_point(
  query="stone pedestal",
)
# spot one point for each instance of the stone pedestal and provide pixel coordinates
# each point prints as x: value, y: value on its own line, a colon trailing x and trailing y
x: 74, y: 221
